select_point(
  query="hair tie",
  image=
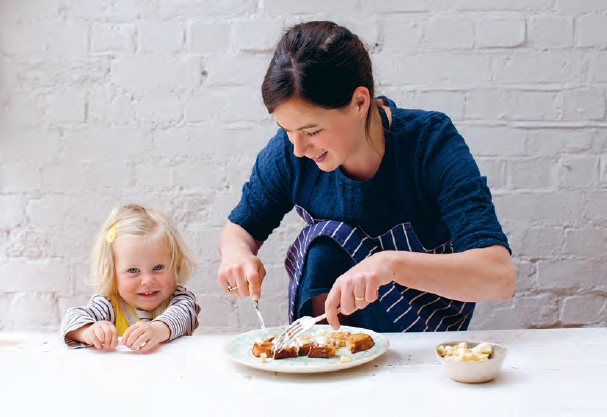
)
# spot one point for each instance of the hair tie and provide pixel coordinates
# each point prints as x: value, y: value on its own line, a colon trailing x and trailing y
x: 111, y: 234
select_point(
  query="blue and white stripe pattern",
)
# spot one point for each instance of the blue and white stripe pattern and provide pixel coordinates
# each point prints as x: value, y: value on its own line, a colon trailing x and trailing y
x: 410, y: 309
x: 181, y: 315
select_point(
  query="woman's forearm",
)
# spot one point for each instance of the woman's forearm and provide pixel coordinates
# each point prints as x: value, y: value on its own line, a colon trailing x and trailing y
x: 484, y: 274
x: 233, y: 235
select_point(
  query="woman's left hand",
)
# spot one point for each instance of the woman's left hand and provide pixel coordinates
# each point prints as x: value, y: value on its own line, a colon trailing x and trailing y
x: 358, y: 287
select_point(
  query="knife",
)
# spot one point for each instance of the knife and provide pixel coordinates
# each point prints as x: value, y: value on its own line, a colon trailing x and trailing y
x: 263, y: 326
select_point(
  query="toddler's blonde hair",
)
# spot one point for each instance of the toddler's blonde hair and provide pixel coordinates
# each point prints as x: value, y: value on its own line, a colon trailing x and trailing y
x: 135, y: 220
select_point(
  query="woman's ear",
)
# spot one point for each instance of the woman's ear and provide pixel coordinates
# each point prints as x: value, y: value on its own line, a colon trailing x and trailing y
x: 361, y: 100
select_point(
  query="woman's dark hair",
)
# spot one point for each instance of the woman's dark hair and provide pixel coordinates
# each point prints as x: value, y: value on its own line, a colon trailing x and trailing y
x: 320, y: 63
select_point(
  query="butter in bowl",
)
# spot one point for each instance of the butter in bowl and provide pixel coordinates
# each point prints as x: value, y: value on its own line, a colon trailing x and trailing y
x: 471, y: 362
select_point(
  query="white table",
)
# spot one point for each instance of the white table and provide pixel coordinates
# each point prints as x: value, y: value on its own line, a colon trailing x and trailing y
x: 547, y: 372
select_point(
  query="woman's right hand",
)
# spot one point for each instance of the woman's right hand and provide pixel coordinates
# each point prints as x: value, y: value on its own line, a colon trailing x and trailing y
x: 240, y: 267
x: 241, y: 270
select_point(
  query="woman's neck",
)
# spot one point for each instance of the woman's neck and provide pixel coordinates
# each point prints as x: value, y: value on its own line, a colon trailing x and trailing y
x: 368, y: 163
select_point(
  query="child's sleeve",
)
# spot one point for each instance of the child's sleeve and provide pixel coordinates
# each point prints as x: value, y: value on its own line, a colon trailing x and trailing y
x: 181, y: 315
x: 99, y: 308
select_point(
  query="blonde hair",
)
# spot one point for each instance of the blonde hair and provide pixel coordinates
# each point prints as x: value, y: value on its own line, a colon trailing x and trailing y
x: 135, y: 220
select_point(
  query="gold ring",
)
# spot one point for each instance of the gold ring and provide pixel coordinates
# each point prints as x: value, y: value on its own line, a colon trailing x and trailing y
x: 359, y: 298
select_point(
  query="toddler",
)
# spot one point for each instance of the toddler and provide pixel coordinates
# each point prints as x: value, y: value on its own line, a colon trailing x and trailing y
x: 138, y: 265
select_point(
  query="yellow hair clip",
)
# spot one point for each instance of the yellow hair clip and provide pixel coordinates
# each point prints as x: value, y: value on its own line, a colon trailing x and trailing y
x: 111, y: 234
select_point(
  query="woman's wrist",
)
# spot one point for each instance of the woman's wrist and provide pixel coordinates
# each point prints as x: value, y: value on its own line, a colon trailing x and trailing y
x: 394, y: 262
x: 235, y: 239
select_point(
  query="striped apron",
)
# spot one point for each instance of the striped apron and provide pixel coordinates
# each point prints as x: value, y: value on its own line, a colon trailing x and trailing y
x: 410, y: 310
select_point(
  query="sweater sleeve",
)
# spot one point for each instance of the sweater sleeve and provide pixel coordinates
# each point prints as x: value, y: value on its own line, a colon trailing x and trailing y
x: 268, y: 195
x: 99, y: 308
x: 181, y: 315
x: 453, y: 178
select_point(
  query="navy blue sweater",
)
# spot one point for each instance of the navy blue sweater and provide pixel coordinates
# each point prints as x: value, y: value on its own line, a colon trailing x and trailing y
x: 427, y: 177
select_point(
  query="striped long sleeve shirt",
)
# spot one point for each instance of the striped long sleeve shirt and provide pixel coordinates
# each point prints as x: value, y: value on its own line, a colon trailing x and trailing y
x: 181, y: 315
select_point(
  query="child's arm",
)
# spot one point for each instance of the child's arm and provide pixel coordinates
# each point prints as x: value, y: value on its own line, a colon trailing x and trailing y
x: 99, y: 334
x: 98, y: 309
x: 181, y: 316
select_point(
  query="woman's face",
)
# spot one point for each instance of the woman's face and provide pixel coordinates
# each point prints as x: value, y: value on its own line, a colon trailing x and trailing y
x: 332, y: 138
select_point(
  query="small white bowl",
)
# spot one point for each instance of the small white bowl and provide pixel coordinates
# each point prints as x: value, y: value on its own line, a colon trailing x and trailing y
x: 473, y: 372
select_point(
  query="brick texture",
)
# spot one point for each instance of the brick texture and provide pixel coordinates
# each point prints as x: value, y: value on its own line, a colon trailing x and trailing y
x: 103, y: 103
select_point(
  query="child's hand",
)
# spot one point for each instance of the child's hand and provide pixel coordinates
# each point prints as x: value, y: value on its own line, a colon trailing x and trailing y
x: 145, y: 335
x: 101, y: 333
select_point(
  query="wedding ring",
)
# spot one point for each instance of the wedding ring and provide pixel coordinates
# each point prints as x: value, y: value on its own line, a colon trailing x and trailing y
x: 359, y: 298
x: 230, y: 288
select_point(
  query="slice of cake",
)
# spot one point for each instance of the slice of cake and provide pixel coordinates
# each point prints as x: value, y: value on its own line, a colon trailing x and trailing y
x: 359, y: 341
x: 288, y: 352
x: 321, y: 351
x: 305, y: 348
x: 305, y: 342
x: 319, y: 345
x: 264, y: 347
x: 339, y: 339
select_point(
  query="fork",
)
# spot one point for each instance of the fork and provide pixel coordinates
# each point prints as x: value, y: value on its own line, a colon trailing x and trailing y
x: 299, y: 327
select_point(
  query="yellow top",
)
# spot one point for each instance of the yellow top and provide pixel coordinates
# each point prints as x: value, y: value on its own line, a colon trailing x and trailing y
x: 126, y: 316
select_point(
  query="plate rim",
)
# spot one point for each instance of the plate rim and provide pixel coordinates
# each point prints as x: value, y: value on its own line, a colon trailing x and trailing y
x: 322, y: 368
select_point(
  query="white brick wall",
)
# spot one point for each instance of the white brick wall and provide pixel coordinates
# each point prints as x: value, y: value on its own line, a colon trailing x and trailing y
x: 158, y: 102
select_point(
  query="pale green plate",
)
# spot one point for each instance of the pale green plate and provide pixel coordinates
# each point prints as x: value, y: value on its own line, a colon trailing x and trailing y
x: 239, y: 350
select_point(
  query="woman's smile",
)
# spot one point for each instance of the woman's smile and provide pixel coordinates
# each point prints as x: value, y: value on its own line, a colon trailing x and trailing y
x: 320, y: 157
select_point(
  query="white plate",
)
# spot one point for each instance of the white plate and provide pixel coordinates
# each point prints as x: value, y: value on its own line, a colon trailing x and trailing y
x: 239, y: 349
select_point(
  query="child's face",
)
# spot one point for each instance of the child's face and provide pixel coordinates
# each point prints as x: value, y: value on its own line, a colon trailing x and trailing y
x: 144, y: 279
x: 330, y: 137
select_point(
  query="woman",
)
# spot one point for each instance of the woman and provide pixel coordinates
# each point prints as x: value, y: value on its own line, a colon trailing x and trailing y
x: 402, y: 234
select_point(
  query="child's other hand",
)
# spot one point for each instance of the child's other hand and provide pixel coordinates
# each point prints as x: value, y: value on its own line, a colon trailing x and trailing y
x: 145, y: 335
x: 101, y: 333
